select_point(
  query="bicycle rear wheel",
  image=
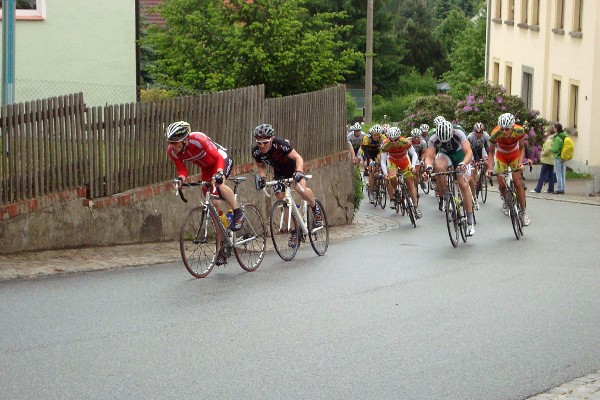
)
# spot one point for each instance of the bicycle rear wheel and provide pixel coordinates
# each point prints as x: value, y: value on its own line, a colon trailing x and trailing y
x: 285, y: 231
x: 319, y: 237
x: 250, y: 241
x: 376, y: 193
x: 451, y: 219
x: 199, y: 242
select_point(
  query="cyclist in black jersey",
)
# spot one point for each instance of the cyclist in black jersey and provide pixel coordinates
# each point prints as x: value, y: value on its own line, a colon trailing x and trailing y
x: 286, y: 163
x: 480, y: 145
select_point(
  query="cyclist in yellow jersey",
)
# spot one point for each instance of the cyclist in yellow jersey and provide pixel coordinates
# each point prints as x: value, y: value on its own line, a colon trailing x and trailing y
x: 398, y: 154
x: 371, y: 151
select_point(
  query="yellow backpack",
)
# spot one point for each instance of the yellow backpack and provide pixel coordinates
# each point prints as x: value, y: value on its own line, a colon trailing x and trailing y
x: 568, y: 147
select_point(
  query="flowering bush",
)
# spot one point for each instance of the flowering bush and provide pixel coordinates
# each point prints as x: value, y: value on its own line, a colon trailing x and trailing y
x: 484, y: 103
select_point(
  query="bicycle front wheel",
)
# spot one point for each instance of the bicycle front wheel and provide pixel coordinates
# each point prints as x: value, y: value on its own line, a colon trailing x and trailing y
x: 382, y: 194
x: 426, y: 185
x: 250, y: 241
x: 515, y: 219
x: 199, y: 242
x: 285, y: 231
x: 451, y: 219
x: 319, y: 237
x: 482, y: 186
x: 410, y: 209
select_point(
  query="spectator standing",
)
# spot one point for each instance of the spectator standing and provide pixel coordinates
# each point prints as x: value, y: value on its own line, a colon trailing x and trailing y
x: 547, y: 161
x: 559, y: 163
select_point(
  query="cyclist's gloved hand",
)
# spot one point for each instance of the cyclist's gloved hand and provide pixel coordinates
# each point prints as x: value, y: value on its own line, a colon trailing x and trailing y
x: 462, y: 167
x: 177, y: 183
x: 218, y: 177
x: 298, y: 176
x: 429, y: 169
x: 262, y: 182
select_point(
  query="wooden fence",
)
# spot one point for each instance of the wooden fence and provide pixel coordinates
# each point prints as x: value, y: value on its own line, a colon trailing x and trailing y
x: 56, y: 144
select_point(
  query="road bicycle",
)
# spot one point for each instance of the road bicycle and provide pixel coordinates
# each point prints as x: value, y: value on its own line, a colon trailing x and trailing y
x: 481, y: 181
x: 205, y: 241
x: 402, y: 200
x: 379, y: 191
x: 291, y: 223
x: 456, y: 215
x: 514, y: 208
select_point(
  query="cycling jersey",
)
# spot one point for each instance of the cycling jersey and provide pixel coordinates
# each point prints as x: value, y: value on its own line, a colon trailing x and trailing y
x: 277, y: 157
x: 419, y: 146
x: 398, y: 154
x: 371, y: 147
x: 479, y: 145
x: 204, y: 153
x: 355, y: 141
x: 452, y: 149
x: 507, y: 152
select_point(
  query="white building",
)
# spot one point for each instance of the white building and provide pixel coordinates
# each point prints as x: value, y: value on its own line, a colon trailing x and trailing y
x: 548, y: 53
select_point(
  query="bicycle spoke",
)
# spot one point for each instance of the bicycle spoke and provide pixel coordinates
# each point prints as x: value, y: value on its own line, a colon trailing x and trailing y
x: 251, y: 240
x: 198, y: 242
x: 285, y: 231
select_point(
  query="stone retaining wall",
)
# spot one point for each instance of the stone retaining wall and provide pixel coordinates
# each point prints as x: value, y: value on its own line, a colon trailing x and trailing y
x: 152, y: 213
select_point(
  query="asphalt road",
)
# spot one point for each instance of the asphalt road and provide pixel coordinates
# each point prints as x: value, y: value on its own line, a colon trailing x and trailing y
x: 398, y: 315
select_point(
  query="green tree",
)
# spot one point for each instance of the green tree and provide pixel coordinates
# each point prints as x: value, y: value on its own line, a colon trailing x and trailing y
x: 450, y: 27
x: 210, y: 45
x: 467, y: 59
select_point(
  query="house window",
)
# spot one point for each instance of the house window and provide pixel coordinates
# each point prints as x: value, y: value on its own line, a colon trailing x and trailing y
x: 577, y: 14
x: 511, y: 10
x: 527, y: 87
x: 496, y: 73
x: 560, y: 14
x: 498, y: 13
x: 573, y: 104
x: 29, y: 9
x: 556, y: 99
x: 508, y: 79
x: 524, y: 8
x: 535, y: 12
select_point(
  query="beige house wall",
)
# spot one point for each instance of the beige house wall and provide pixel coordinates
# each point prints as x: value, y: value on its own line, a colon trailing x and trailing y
x: 79, y: 46
x: 551, y: 54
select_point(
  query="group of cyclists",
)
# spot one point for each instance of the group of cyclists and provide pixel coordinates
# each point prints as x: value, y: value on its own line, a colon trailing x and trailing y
x: 216, y: 165
x: 386, y: 150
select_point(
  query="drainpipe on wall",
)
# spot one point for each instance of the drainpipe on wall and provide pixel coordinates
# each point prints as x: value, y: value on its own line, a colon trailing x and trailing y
x: 8, y: 51
x: 487, y: 40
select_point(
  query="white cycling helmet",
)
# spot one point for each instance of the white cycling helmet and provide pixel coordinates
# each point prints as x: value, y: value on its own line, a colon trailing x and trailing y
x: 424, y: 127
x: 415, y: 132
x: 264, y: 131
x: 506, y: 120
x: 478, y: 127
x: 177, y: 131
x: 376, y: 129
x: 438, y: 120
x: 444, y: 131
x: 356, y: 127
x: 394, y: 133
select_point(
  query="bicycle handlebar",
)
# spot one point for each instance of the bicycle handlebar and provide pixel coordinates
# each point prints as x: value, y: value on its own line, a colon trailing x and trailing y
x: 284, y: 181
x: 180, y: 192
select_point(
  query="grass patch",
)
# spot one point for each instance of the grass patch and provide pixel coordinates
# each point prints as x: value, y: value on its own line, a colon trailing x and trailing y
x: 576, y: 175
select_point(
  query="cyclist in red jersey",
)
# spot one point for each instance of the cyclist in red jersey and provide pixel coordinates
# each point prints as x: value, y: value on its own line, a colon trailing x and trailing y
x: 212, y: 158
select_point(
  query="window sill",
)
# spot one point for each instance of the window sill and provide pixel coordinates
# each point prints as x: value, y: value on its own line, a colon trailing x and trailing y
x: 523, y: 25
x: 577, y: 34
x: 497, y: 20
x: 534, y: 28
x: 27, y: 18
x: 510, y: 22
x: 558, y: 31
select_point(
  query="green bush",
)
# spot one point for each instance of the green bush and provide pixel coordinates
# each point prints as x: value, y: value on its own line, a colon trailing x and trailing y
x: 358, y: 188
x: 425, y: 108
x: 413, y: 82
x: 395, y: 108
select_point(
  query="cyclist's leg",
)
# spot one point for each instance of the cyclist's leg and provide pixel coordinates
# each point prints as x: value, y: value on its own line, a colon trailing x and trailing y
x: 442, y: 161
x: 391, y: 181
x: 372, y: 168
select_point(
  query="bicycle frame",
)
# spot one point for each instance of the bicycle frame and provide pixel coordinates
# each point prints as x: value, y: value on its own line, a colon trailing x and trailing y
x: 291, y: 203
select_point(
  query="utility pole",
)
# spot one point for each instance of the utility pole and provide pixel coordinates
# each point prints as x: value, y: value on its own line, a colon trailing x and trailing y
x: 369, y: 64
x: 8, y: 51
